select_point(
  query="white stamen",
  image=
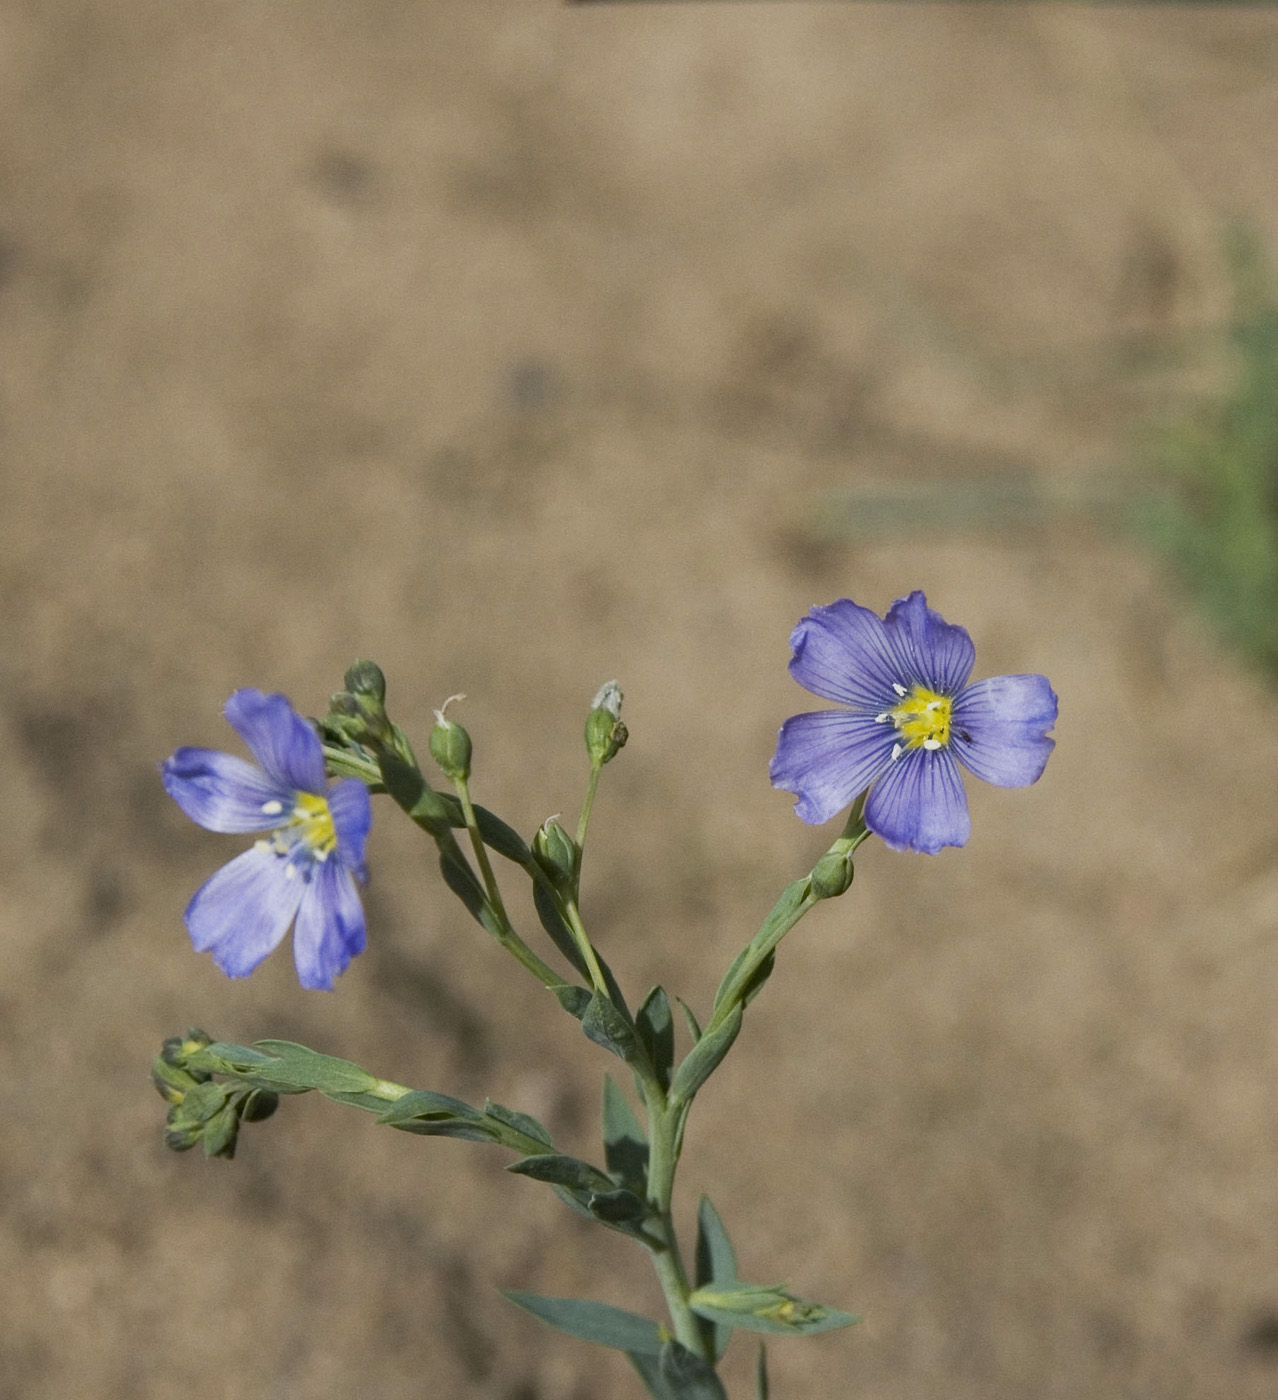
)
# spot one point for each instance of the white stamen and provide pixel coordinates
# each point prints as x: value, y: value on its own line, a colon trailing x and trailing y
x: 272, y: 808
x: 290, y: 871
x: 896, y: 752
x: 934, y: 705
x: 898, y: 687
x: 931, y: 743
x: 261, y: 845
x: 883, y: 718
x: 443, y: 709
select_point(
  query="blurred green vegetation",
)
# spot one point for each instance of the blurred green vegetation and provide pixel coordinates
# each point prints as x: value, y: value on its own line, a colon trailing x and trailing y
x: 1217, y: 519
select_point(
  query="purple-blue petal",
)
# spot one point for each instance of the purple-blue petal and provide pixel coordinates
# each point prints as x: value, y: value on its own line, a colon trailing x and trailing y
x: 279, y: 738
x: 919, y: 803
x: 999, y: 729
x: 222, y: 792
x: 330, y: 926
x: 843, y: 652
x: 352, y: 815
x: 936, y: 653
x: 242, y: 912
x: 828, y: 758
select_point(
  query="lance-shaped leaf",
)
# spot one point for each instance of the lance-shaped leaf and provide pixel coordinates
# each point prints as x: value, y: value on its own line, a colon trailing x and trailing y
x: 559, y: 1170
x: 574, y: 1000
x: 295, y: 1066
x: 605, y: 1025
x: 765, y: 1308
x: 705, y: 1056
x: 497, y: 836
x: 437, y: 1115
x: 716, y: 1266
x: 655, y: 1025
x: 557, y: 927
x: 687, y: 1376
x: 625, y: 1144
x: 523, y: 1123
x: 594, y: 1322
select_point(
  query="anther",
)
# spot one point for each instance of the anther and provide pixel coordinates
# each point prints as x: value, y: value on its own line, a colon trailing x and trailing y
x: 272, y: 808
x: 896, y: 752
x: 898, y: 687
x: 931, y: 743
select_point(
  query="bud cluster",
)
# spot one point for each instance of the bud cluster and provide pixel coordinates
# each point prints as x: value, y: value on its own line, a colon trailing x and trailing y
x: 201, y: 1110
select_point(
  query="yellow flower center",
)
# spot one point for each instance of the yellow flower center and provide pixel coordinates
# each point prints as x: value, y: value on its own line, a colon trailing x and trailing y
x: 922, y: 717
x: 310, y: 824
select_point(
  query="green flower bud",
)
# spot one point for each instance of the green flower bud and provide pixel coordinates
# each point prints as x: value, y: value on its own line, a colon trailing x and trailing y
x: 556, y: 852
x: 170, y: 1082
x: 832, y: 875
x: 605, y: 733
x: 450, y: 744
x: 365, y: 681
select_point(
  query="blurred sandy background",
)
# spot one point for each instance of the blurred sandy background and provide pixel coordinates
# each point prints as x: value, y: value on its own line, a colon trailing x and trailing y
x: 521, y: 346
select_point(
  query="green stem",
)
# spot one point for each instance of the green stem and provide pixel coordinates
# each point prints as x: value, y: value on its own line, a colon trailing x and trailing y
x: 587, y: 802
x: 504, y: 932
x: 665, y: 1128
x: 796, y: 899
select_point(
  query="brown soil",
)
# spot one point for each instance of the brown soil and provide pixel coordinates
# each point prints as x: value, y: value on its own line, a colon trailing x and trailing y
x: 520, y: 346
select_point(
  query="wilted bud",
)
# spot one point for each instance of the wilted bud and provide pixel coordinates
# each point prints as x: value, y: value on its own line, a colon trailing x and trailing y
x: 556, y: 852
x: 605, y: 733
x: 450, y: 744
x: 832, y: 875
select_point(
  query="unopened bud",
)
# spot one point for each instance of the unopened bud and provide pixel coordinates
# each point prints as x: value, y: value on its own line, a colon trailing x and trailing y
x: 365, y: 681
x: 832, y: 875
x: 556, y: 852
x: 450, y: 745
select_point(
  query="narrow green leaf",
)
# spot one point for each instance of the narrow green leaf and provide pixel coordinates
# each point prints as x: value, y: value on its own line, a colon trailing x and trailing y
x: 758, y: 979
x: 761, y: 1373
x: 617, y: 1207
x: 694, y: 1027
x: 574, y: 1000
x: 447, y: 1127
x: 716, y: 1263
x: 521, y: 1122
x: 655, y: 1025
x: 605, y: 1025
x: 688, y: 1377
x: 460, y: 878
x: 705, y: 1056
x: 557, y: 927
x: 422, y: 1103
x: 302, y: 1068
x: 503, y: 839
x: 593, y: 1322
x: 562, y: 1171
x: 625, y: 1144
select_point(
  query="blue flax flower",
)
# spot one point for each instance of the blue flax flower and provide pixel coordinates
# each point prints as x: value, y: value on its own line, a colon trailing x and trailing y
x: 305, y: 869
x: 911, y: 719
